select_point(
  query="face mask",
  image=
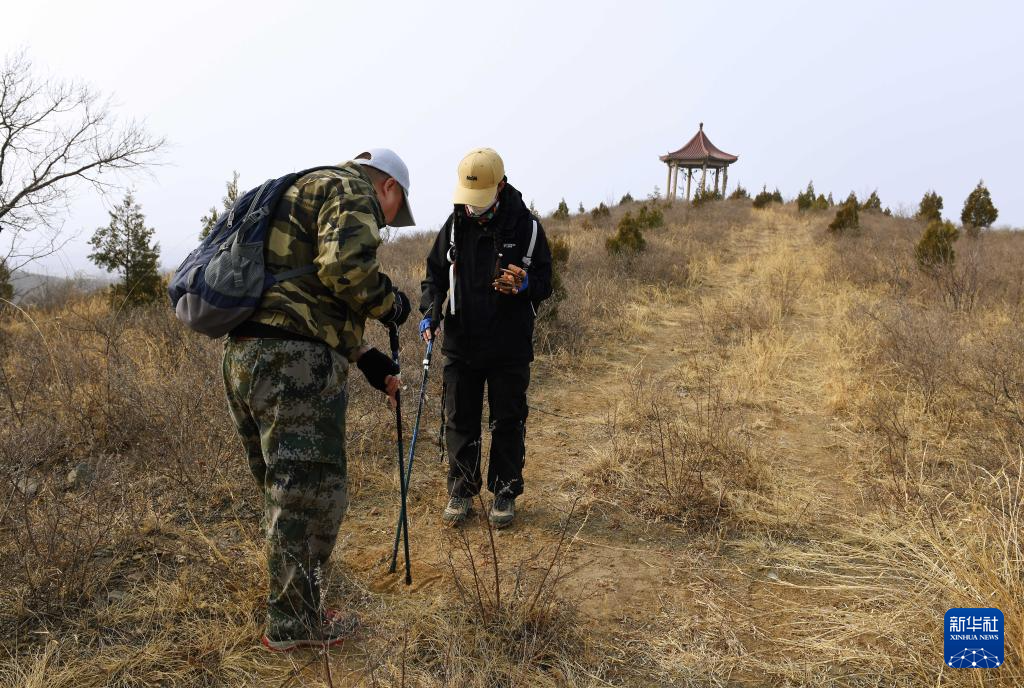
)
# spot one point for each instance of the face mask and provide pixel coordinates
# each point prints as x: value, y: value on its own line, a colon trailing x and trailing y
x: 478, y: 210
x: 486, y: 216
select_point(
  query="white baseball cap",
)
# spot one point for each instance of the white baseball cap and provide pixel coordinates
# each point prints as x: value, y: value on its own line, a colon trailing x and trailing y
x: 388, y: 162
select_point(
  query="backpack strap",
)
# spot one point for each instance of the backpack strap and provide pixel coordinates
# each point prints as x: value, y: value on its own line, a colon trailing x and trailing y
x: 451, y: 267
x: 528, y: 258
x: 305, y: 269
x: 253, y: 215
x: 451, y: 242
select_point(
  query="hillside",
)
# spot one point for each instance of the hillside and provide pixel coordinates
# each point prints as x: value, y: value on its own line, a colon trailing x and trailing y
x: 758, y: 454
x: 33, y: 287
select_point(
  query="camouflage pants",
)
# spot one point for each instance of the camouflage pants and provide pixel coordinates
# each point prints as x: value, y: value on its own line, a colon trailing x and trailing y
x: 288, y: 401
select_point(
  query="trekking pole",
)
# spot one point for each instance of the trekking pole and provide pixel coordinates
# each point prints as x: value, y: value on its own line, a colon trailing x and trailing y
x: 402, y: 486
x: 412, y: 450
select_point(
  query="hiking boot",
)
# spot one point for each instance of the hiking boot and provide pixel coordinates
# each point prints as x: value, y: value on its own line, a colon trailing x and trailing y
x: 503, y: 511
x: 457, y: 510
x: 337, y: 626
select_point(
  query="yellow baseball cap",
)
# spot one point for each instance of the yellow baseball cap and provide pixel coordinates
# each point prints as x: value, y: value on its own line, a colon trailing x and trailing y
x: 480, y: 172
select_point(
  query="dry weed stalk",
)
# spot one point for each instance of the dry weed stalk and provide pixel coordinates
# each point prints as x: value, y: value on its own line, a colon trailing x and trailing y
x: 489, y: 633
x: 676, y: 460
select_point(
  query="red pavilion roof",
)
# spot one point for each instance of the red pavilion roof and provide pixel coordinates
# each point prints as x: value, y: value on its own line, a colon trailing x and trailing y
x: 698, y: 150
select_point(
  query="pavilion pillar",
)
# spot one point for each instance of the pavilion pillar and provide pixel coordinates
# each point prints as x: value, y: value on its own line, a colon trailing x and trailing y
x: 668, y: 183
x: 725, y: 179
x: 703, y: 177
x: 689, y: 178
x: 675, y: 185
x: 717, y: 174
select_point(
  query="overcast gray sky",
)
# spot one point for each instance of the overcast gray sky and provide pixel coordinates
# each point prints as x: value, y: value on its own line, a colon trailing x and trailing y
x: 580, y: 98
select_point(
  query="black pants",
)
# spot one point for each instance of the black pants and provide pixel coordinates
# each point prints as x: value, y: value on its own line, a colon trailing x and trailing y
x: 464, y: 399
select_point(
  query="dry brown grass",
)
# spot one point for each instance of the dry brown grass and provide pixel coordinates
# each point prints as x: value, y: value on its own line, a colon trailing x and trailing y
x: 676, y: 453
x: 790, y: 451
x: 150, y: 570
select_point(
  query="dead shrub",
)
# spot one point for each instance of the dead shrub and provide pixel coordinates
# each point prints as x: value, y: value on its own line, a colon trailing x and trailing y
x: 504, y: 624
x: 676, y: 460
x: 992, y: 379
x: 65, y: 546
x: 922, y: 345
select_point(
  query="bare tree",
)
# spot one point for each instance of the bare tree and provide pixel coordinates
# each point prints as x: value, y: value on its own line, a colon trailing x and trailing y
x: 56, y: 135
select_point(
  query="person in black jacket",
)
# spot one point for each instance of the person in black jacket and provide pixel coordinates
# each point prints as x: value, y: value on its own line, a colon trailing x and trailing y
x: 488, y: 272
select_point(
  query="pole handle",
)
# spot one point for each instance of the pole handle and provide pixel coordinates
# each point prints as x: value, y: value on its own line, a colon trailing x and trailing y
x: 426, y: 356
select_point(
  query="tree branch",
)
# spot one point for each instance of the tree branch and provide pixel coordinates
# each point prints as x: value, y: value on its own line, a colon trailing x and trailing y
x: 55, y: 134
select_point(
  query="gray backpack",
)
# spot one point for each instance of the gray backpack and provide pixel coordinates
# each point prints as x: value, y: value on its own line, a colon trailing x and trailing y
x: 219, y: 285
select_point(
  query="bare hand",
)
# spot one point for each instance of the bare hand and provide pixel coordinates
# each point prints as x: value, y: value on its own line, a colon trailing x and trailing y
x: 393, y: 384
x: 510, y: 280
x: 427, y: 335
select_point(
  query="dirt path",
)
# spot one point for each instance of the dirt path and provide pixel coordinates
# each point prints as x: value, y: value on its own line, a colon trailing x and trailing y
x: 631, y: 573
x: 643, y: 571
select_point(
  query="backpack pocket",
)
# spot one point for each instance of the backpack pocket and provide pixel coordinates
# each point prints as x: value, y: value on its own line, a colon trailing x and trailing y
x: 237, y: 271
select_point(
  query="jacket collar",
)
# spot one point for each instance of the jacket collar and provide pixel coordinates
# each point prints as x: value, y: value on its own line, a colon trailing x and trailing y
x: 510, y: 209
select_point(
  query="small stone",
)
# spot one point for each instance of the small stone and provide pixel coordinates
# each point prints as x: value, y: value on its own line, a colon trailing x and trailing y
x: 773, y: 577
x: 29, y: 487
x: 81, y: 474
x: 115, y: 596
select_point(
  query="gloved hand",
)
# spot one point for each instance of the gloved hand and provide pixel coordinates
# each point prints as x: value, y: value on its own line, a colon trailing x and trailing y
x: 512, y: 280
x: 376, y: 367
x: 427, y: 328
x: 400, y: 313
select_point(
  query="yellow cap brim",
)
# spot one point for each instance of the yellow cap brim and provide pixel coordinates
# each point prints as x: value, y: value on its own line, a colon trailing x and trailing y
x: 477, y: 197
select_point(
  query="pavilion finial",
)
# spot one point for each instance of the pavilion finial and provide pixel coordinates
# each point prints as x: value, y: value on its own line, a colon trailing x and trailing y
x: 702, y: 126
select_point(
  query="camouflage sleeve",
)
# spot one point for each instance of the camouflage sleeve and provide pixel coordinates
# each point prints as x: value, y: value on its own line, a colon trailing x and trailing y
x: 348, y: 238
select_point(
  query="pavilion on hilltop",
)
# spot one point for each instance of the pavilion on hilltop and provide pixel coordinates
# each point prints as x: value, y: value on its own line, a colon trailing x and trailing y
x: 698, y: 154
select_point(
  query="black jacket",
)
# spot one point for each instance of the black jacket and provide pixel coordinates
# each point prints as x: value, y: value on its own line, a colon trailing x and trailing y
x: 487, y: 327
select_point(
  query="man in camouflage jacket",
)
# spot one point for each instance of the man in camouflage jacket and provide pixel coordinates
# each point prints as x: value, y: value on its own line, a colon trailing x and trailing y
x: 286, y: 370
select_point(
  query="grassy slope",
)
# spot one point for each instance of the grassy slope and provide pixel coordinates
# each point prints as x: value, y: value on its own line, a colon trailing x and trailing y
x: 757, y: 454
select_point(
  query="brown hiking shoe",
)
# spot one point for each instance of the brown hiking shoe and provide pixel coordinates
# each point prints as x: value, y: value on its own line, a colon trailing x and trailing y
x: 337, y: 627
